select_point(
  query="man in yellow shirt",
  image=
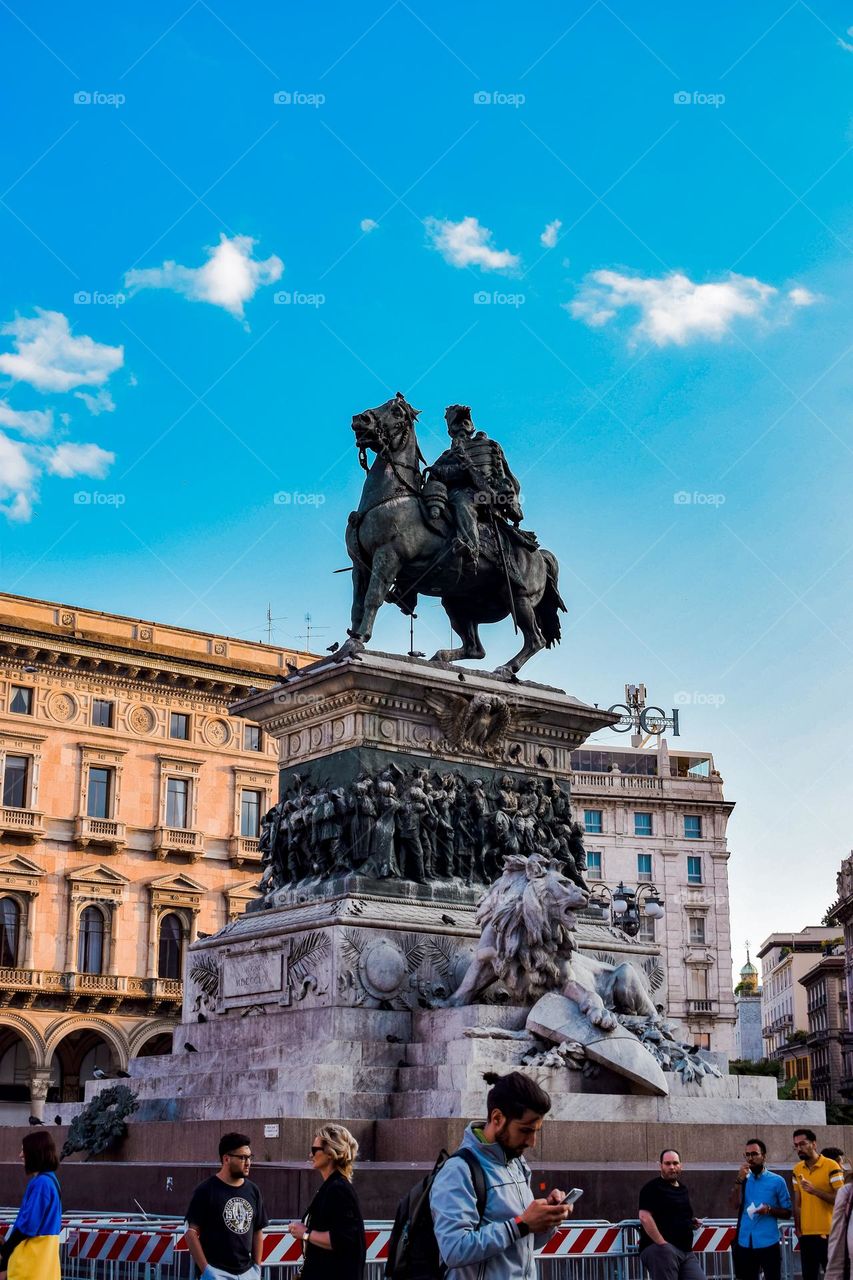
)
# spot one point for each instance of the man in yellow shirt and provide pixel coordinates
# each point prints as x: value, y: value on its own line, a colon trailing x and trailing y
x: 816, y: 1181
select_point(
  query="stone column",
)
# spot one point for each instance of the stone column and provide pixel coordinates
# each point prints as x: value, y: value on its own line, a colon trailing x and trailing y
x: 151, y: 963
x: 39, y: 1085
x: 28, y: 958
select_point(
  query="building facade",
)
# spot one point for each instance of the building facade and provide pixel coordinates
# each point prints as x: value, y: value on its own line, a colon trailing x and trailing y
x: 658, y: 816
x: 841, y: 913
x: 826, y: 1009
x: 785, y: 959
x: 130, y: 821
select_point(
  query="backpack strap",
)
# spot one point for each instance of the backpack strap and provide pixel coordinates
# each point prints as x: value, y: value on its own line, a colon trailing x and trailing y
x: 478, y: 1177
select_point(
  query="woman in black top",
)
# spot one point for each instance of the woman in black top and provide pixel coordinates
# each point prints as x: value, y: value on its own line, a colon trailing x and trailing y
x: 332, y: 1228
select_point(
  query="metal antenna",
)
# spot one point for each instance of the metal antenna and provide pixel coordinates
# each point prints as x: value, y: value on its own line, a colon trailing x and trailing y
x: 310, y: 630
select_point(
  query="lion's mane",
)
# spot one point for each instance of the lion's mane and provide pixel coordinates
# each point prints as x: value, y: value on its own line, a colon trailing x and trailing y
x: 530, y: 937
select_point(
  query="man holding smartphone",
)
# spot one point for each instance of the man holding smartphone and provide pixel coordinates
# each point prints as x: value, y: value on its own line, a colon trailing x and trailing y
x: 667, y: 1223
x: 500, y: 1243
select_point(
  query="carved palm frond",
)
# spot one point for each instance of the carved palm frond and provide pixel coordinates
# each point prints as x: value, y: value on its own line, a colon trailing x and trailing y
x: 606, y: 957
x: 442, y: 954
x: 414, y: 950
x: 352, y: 947
x: 655, y: 973
x: 205, y: 972
x: 312, y: 948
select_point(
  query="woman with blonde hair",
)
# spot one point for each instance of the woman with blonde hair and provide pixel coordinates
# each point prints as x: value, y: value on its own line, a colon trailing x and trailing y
x: 332, y: 1228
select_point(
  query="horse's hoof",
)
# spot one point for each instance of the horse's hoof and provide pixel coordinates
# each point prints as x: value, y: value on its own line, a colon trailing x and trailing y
x: 349, y: 649
x: 505, y: 673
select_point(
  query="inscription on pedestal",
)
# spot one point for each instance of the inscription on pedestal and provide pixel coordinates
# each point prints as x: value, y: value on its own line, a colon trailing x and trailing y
x: 255, y: 977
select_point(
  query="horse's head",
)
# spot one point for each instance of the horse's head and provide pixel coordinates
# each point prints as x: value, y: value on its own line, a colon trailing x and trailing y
x: 385, y: 428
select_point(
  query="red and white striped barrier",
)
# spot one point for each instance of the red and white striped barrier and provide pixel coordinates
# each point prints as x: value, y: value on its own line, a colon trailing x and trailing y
x: 716, y: 1239
x: 584, y: 1241
x: 122, y: 1246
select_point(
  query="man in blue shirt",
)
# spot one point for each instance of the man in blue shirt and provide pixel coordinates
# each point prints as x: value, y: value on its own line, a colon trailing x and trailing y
x: 760, y: 1198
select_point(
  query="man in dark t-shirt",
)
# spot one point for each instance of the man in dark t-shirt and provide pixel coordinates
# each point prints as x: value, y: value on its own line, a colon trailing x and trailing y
x: 667, y: 1224
x: 226, y: 1217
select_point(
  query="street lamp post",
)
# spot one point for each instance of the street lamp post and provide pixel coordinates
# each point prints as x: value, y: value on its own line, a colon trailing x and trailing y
x: 624, y: 905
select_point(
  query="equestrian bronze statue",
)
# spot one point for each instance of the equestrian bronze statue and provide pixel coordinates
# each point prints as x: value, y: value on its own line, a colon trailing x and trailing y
x: 450, y: 530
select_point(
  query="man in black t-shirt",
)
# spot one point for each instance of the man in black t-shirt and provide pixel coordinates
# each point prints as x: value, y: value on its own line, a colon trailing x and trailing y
x: 667, y: 1224
x: 226, y: 1217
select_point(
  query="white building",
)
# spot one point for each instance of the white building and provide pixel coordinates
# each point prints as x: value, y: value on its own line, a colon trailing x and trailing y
x: 655, y: 816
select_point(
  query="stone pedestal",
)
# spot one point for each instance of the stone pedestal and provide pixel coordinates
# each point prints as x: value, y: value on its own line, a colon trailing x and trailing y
x: 318, y: 1004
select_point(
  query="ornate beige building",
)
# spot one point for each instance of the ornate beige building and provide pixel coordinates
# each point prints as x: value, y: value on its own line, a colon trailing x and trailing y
x: 129, y: 822
x: 658, y: 816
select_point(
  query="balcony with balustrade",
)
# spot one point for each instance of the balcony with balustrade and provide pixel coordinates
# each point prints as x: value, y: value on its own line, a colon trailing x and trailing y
x: 178, y: 840
x: 27, y: 824
x: 100, y: 831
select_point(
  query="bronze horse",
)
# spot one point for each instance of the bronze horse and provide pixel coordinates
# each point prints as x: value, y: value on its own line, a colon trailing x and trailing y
x: 399, y: 550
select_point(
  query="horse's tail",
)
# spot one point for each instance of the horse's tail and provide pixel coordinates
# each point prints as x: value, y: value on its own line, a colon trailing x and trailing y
x: 551, y: 605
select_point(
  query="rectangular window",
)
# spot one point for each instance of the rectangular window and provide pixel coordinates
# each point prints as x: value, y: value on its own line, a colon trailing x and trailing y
x: 100, y: 789
x: 697, y: 930
x: 179, y: 725
x: 647, y: 928
x: 694, y: 870
x: 593, y: 821
x: 15, y: 782
x: 102, y: 713
x: 22, y: 700
x: 177, y: 802
x: 251, y: 737
x: 593, y: 864
x: 644, y: 866
x: 642, y: 824
x: 701, y: 1039
x: 250, y: 813
x: 692, y: 826
x: 697, y: 984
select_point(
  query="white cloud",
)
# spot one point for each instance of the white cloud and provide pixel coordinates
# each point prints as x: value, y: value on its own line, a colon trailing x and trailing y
x: 674, y: 309
x: 466, y: 243
x: 229, y: 278
x: 845, y: 44
x: 549, y: 236
x: 48, y: 356
x: 34, y: 423
x: 367, y: 224
x: 68, y: 460
x: 18, y: 476
x: 801, y: 297
x: 100, y: 402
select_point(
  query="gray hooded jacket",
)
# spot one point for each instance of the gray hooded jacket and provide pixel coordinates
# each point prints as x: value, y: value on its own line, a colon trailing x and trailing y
x: 492, y: 1249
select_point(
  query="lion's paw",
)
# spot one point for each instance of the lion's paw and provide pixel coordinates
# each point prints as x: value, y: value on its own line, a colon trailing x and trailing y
x: 603, y: 1019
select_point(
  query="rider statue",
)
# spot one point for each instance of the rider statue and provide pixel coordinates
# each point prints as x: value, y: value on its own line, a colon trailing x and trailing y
x: 478, y: 482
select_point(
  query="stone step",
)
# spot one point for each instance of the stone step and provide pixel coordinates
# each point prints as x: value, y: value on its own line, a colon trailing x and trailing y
x: 269, y: 1081
x: 504, y: 1054
x: 315, y: 1104
x: 436, y: 1026
x: 304, y: 1052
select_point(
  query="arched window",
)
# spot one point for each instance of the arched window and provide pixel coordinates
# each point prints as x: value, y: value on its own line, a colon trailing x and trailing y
x: 10, y: 918
x: 90, y: 945
x: 171, y: 939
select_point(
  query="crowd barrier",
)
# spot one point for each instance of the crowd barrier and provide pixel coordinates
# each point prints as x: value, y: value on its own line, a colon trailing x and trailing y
x: 109, y: 1247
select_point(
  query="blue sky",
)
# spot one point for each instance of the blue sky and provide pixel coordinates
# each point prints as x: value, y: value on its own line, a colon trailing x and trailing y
x: 683, y: 332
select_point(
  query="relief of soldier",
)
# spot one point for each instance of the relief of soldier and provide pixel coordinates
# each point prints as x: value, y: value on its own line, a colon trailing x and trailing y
x: 416, y: 825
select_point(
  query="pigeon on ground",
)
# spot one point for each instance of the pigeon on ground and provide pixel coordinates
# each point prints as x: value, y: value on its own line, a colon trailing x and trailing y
x: 57, y: 1119
x: 35, y: 1120
x: 190, y: 1048
x: 333, y: 648
x: 100, y: 1074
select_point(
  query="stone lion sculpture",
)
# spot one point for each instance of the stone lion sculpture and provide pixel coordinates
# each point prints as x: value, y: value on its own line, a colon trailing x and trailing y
x: 528, y: 921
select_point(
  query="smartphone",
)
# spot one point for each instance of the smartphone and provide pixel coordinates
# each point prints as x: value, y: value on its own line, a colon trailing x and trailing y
x: 574, y: 1194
